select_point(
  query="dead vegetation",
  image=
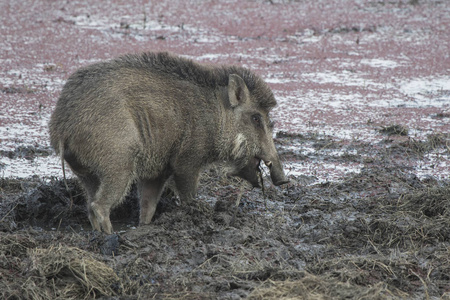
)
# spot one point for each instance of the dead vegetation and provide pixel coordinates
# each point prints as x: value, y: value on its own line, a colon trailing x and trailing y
x: 56, y: 272
x: 433, y: 142
x: 315, y: 288
x: 380, y: 234
x: 394, y: 130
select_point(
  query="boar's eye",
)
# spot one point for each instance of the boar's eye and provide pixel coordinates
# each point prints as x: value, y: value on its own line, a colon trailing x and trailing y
x: 256, y: 118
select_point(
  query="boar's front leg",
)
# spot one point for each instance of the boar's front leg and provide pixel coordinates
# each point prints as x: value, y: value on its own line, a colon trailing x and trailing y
x: 149, y: 193
x: 186, y: 184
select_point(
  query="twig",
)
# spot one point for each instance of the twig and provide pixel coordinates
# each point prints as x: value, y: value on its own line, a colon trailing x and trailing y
x: 9, y: 212
x: 423, y: 282
x: 238, y: 201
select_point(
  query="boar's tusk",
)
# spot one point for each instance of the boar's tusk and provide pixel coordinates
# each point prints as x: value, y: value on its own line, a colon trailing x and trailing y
x: 268, y: 163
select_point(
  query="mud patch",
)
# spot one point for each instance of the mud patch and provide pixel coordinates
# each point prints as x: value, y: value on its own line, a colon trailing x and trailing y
x: 16, y: 90
x: 365, y: 214
x: 27, y: 152
x: 380, y: 233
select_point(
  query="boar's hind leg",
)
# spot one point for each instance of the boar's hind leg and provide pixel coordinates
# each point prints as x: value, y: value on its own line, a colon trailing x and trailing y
x: 149, y: 193
x: 109, y: 194
x: 91, y: 184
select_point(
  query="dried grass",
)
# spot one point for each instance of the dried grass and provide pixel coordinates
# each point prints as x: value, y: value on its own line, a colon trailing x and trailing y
x: 15, y: 244
x: 433, y: 142
x: 317, y: 288
x: 394, y: 130
x: 433, y: 202
x: 77, y: 270
x: 57, y: 272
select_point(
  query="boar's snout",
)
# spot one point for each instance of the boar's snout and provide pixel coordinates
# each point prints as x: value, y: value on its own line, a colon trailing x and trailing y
x: 251, y: 171
x: 276, y: 172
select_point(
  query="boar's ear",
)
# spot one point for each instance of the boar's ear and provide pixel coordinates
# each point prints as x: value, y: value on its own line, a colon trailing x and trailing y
x: 237, y: 90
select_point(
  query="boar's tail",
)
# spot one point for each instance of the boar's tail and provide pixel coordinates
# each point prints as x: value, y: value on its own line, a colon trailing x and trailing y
x: 61, y: 155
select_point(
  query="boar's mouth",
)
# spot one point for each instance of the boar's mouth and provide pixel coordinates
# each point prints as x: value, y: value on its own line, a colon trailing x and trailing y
x: 252, y: 172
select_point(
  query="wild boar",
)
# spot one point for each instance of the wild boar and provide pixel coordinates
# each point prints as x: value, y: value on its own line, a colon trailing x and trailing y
x: 150, y: 117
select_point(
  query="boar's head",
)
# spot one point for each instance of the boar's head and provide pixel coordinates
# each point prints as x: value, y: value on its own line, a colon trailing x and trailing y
x: 253, y: 134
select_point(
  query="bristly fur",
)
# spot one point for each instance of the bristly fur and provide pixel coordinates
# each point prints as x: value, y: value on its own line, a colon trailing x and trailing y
x: 154, y: 118
x: 201, y: 74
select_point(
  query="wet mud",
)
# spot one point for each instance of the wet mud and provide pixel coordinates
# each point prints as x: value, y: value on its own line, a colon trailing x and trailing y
x: 382, y: 233
x: 363, y: 120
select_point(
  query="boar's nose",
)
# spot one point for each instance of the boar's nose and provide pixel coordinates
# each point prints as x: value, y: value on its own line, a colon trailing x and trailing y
x: 284, y: 181
x: 276, y: 172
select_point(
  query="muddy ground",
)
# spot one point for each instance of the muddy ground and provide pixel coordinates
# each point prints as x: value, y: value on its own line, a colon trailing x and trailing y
x: 364, y: 105
x: 382, y: 233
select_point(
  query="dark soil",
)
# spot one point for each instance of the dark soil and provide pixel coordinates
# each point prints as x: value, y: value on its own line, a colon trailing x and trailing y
x: 361, y: 85
x: 382, y: 233
x: 27, y: 152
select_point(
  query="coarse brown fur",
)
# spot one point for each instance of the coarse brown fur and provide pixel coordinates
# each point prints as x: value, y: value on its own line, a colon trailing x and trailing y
x: 146, y: 118
x: 202, y: 75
